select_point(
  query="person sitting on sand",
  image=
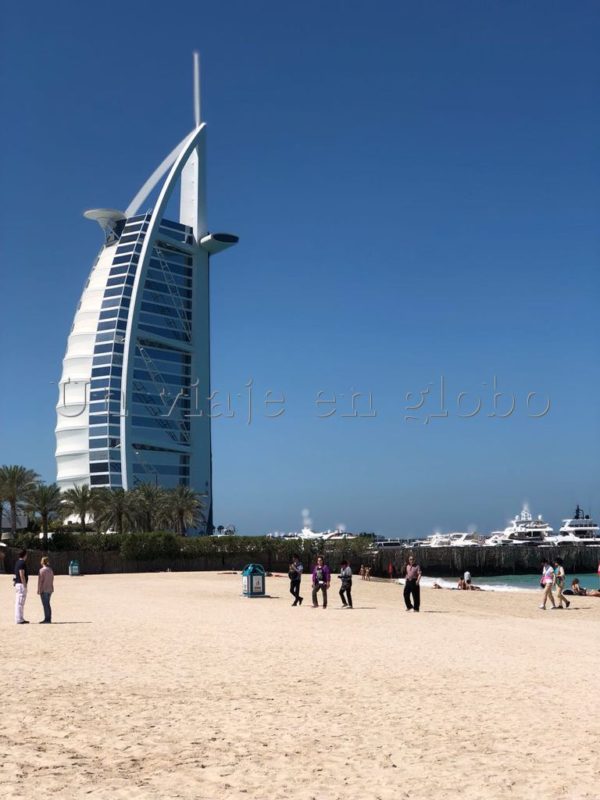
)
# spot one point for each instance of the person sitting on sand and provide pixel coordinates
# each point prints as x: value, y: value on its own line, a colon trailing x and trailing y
x: 468, y: 586
x: 582, y: 591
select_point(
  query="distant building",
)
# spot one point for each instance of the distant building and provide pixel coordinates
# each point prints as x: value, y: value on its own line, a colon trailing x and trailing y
x: 133, y: 402
x: 6, y: 525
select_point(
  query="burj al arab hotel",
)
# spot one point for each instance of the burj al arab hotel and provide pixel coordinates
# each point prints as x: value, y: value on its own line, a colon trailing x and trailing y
x: 134, y: 396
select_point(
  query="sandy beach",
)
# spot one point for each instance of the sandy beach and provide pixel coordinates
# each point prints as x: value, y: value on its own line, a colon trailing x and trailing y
x: 172, y: 685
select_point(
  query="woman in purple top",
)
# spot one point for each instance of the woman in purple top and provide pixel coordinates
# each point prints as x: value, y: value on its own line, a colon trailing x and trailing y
x: 321, y: 578
x: 411, y: 585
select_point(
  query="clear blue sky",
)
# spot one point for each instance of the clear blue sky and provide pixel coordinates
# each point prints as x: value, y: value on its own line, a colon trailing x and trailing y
x: 415, y: 187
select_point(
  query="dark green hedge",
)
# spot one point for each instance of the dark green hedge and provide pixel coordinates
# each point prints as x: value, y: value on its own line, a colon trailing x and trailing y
x: 161, y: 544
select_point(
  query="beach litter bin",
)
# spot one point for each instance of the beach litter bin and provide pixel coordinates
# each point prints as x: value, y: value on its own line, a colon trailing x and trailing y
x: 253, y: 581
x: 74, y: 568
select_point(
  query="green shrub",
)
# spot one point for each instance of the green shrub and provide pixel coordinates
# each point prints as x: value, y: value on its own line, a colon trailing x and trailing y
x: 148, y: 546
x: 29, y: 541
x: 68, y: 540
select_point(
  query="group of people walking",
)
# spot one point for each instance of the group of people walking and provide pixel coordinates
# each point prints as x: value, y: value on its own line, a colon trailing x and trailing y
x: 320, y: 581
x: 553, y: 579
x: 45, y: 588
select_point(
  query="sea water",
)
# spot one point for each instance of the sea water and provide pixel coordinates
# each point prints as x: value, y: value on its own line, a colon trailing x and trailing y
x: 514, y: 583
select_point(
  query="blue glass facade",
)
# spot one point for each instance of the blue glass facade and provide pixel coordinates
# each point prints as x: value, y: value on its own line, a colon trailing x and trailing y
x: 159, y: 403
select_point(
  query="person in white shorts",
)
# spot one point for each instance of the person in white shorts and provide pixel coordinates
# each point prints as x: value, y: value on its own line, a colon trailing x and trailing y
x: 20, y: 581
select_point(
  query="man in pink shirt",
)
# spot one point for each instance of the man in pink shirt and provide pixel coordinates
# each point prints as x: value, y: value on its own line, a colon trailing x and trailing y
x: 411, y: 585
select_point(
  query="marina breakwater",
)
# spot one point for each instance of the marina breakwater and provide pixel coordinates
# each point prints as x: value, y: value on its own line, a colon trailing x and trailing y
x: 486, y: 561
x: 435, y: 561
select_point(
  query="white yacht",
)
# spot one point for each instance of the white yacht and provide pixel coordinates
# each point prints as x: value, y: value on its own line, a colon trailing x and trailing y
x: 580, y: 529
x: 494, y: 539
x: 456, y: 539
x: 465, y: 539
x: 437, y: 540
x: 337, y: 535
x: 523, y: 529
x: 390, y: 544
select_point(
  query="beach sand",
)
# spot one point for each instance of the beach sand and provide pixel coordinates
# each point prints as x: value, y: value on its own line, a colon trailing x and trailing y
x: 171, y: 685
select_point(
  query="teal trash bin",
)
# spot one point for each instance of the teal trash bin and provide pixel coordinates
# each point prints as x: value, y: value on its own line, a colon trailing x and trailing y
x: 253, y: 581
x: 74, y: 568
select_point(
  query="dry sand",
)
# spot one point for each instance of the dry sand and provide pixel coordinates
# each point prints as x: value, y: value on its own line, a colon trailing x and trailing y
x: 173, y: 686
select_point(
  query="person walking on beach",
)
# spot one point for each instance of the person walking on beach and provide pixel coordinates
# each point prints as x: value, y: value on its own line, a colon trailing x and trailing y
x: 20, y: 581
x: 547, y: 584
x: 411, y: 585
x: 321, y: 580
x: 45, y: 588
x: 295, y: 576
x: 559, y: 582
x: 346, y: 589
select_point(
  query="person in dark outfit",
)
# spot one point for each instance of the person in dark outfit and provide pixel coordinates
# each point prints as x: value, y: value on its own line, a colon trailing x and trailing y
x: 411, y: 585
x: 346, y: 590
x: 20, y: 581
x: 295, y: 576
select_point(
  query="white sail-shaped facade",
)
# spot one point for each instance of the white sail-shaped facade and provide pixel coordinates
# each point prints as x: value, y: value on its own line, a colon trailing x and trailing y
x: 134, y: 395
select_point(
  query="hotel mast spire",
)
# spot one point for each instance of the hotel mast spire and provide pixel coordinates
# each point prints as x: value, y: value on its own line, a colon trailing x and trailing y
x: 197, y: 117
x: 192, y: 207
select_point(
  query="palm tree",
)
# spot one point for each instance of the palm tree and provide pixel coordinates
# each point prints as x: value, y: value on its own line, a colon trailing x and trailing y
x: 78, y: 501
x: 45, y: 499
x: 112, y: 508
x: 147, y: 506
x: 184, y: 507
x: 16, y: 484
